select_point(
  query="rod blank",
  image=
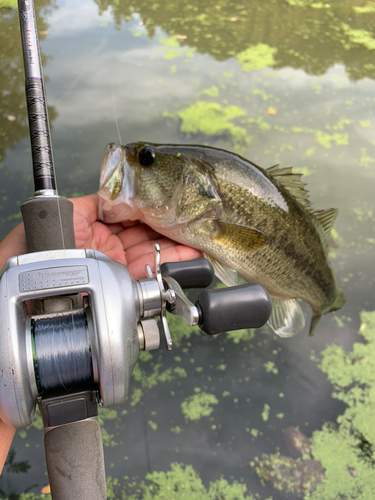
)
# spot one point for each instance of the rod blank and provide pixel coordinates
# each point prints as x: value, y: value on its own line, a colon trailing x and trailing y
x: 44, y: 176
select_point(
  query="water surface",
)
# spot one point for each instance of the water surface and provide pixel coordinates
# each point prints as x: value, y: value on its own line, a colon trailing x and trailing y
x: 289, y: 82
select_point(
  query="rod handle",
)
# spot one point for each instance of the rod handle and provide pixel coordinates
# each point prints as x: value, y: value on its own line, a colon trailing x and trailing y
x: 75, y: 461
x: 233, y: 308
x: 48, y: 223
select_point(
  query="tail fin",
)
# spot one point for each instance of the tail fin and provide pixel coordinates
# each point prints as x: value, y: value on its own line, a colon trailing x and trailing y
x: 339, y: 301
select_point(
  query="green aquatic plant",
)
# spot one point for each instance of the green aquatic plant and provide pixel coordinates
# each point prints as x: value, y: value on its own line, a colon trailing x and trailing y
x: 211, y: 92
x: 367, y: 9
x: 359, y: 37
x: 326, y: 140
x: 339, y: 462
x: 182, y: 482
x: 8, y: 3
x: 213, y: 119
x: 270, y: 367
x: 199, y: 405
x: 258, y: 56
x: 346, y: 450
x: 238, y: 336
x: 266, y: 412
x: 365, y: 160
x: 291, y: 475
x: 155, y: 374
x: 107, y: 414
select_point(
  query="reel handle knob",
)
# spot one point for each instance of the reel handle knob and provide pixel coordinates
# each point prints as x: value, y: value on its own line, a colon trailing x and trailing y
x: 197, y: 273
x: 233, y: 308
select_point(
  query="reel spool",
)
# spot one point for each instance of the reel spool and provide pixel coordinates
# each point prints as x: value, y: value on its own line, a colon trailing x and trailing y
x: 68, y: 361
x: 62, y: 353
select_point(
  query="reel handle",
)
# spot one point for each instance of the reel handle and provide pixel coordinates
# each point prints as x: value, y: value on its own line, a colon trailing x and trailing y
x: 233, y: 308
x: 197, y: 273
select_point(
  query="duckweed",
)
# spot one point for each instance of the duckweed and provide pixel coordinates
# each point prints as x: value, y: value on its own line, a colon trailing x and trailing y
x: 198, y: 406
x: 213, y: 119
x: 257, y: 57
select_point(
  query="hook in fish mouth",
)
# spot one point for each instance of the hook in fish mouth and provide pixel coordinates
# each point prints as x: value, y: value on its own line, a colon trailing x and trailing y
x: 116, y: 191
x: 111, y: 172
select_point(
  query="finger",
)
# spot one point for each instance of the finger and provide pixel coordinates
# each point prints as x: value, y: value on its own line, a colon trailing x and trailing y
x: 137, y: 234
x: 7, y: 434
x: 176, y: 253
x: 148, y: 248
x: 13, y: 244
x: 86, y: 207
x: 118, y: 227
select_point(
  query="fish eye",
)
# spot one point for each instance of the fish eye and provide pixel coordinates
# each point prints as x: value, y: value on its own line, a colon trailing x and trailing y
x: 146, y: 156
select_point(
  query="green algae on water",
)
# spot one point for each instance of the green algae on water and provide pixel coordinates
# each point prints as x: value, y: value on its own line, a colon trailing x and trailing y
x: 257, y: 57
x: 213, y: 119
x: 360, y: 37
x: 211, y: 92
x: 198, y: 406
x: 346, y: 450
x: 340, y: 461
x: 153, y: 425
x: 8, y: 3
x: 238, y: 336
x: 103, y: 415
x: 270, y: 367
x: 182, y: 482
x: 266, y: 412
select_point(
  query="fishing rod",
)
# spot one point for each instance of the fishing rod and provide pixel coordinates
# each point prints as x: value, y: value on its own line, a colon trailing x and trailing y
x: 41, y: 212
x: 78, y: 347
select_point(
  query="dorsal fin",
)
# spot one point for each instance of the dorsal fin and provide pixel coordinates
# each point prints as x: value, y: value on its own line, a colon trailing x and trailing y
x: 326, y: 219
x: 292, y: 182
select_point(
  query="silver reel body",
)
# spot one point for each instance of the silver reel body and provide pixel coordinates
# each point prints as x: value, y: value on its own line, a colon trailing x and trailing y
x: 112, y: 325
x: 79, y: 346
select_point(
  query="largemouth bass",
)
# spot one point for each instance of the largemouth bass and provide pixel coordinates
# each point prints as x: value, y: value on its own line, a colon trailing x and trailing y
x: 252, y: 222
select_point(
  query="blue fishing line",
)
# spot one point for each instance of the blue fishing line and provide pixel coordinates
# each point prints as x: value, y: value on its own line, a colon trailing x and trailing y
x: 62, y: 352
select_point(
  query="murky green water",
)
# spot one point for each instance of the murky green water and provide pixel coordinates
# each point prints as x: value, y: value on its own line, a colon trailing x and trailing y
x: 287, y: 81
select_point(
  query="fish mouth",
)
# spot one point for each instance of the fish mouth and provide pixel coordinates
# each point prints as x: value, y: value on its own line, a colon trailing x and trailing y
x: 116, y: 186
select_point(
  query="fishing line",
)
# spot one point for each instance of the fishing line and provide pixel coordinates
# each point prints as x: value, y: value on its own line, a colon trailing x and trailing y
x: 113, y: 93
x: 114, y: 110
x: 62, y: 356
x: 145, y: 434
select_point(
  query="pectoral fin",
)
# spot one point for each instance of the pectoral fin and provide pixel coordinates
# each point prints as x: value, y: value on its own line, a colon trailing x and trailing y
x: 228, y: 276
x: 287, y: 318
x: 239, y: 237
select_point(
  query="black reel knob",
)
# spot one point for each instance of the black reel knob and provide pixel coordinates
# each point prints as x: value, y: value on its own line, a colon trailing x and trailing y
x: 197, y: 273
x: 233, y: 308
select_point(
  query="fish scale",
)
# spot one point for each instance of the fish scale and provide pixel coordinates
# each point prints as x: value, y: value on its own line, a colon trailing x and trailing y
x: 258, y: 223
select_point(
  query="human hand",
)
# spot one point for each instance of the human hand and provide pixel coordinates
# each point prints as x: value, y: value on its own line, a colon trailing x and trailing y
x: 129, y: 243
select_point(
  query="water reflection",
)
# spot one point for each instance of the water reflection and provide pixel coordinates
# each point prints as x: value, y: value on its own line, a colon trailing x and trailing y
x: 13, y: 114
x: 303, y: 34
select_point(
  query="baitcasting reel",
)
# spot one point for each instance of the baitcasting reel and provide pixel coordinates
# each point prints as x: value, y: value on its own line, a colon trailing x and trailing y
x: 79, y: 346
